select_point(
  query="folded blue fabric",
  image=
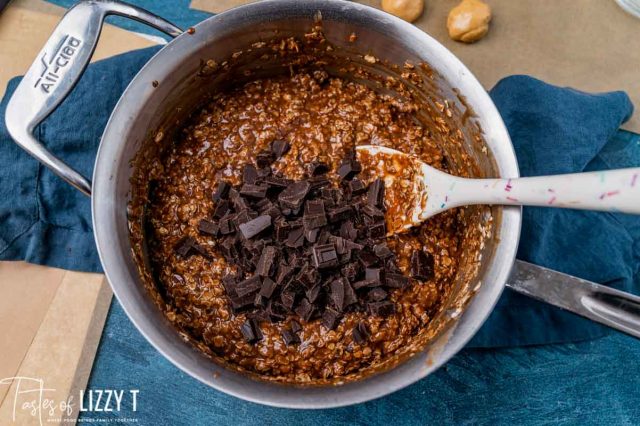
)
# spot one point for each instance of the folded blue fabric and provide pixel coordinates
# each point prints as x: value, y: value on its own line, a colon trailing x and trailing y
x: 43, y: 220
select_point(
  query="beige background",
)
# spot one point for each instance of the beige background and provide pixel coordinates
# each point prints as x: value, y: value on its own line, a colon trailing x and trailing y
x: 590, y: 45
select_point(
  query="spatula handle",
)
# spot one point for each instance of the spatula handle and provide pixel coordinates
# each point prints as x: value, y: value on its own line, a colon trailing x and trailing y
x: 611, y: 190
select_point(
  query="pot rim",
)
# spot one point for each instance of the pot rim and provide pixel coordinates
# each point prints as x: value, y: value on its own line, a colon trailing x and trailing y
x: 230, y: 382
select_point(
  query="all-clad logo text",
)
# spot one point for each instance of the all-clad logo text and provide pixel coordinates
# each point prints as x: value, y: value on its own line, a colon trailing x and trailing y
x: 55, y: 64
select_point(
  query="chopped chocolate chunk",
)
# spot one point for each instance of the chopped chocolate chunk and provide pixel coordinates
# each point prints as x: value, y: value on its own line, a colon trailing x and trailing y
x: 317, y: 168
x: 284, y: 271
x: 357, y: 187
x: 337, y: 294
x: 318, y: 182
x: 367, y: 259
x: 206, y: 226
x: 288, y: 299
x: 241, y: 217
x: 311, y: 235
x: 349, y: 168
x: 324, y: 256
x: 265, y: 158
x: 382, y: 251
x: 350, y: 271
x: 239, y: 303
x: 254, y: 191
x: 249, y: 286
x: 375, y: 193
x: 339, y: 214
x: 295, y: 326
x: 260, y: 301
x: 222, y: 191
x: 374, y: 274
x: 222, y: 208
x: 372, y: 211
x: 290, y: 337
x: 295, y: 238
x: 266, y: 264
x: 268, y: 286
x: 422, y: 265
x: 313, y: 293
x: 360, y: 333
x: 350, y: 296
x: 227, y: 225
x: 305, y: 310
x: 314, y: 216
x: 277, y: 182
x: 377, y: 294
x: 251, y: 331
x: 366, y: 284
x: 249, y: 174
x: 184, y: 248
x: 280, y: 147
x: 377, y: 230
x: 330, y: 319
x: 294, y: 194
x: 381, y: 309
x: 394, y: 280
x: 255, y: 226
x: 348, y: 230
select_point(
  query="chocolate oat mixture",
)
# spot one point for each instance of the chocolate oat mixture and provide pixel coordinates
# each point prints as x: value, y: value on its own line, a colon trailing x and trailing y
x: 321, y: 118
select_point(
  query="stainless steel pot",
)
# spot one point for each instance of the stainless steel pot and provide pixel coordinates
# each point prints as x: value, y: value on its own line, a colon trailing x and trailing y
x: 143, y: 109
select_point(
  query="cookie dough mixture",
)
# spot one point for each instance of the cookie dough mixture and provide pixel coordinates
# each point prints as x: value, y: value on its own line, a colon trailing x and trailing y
x: 321, y: 118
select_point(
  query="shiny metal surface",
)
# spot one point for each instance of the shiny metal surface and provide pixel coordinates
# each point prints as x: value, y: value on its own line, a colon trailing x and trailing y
x: 143, y: 108
x: 56, y: 71
x: 596, y: 302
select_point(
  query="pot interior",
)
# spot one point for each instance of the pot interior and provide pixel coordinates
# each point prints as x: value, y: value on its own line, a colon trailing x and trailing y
x: 195, y: 65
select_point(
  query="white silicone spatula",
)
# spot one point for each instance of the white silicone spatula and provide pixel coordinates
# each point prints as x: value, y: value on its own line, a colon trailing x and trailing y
x: 415, y: 191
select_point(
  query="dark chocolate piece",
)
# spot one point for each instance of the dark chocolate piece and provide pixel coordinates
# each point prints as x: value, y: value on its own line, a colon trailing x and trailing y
x: 324, y: 256
x: 264, y: 159
x: 184, y: 248
x: 266, y: 264
x: 340, y: 214
x: 330, y: 319
x: 290, y: 337
x: 294, y: 194
x: 337, y: 294
x: 349, y: 168
x: 360, y: 333
x: 311, y: 235
x: 249, y: 286
x: 356, y: 187
x: 295, y: 326
x: 367, y: 259
x: 377, y: 230
x: 295, y: 238
x: 422, y: 265
x: 280, y: 147
x: 209, y: 227
x: 268, y: 286
x: 305, y: 310
x: 377, y: 294
x: 317, y: 168
x: 251, y: 331
x: 375, y: 274
x: 222, y: 191
x: 394, y: 280
x: 381, y: 309
x: 227, y: 226
x: 255, y: 226
x: 222, y: 208
x: 249, y: 174
x: 254, y: 191
x: 382, y: 251
x: 375, y: 193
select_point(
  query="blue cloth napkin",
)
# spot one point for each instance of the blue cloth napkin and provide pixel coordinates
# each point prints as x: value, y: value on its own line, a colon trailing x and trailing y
x: 43, y: 220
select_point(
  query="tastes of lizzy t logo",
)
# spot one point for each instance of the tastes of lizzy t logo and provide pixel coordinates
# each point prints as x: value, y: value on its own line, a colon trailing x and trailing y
x: 30, y: 400
x: 53, y: 66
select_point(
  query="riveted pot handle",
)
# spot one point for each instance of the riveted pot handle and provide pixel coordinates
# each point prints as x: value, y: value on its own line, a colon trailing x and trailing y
x: 57, y: 69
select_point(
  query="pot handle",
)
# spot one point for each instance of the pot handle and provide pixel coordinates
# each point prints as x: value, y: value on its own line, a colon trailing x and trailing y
x: 607, y: 306
x: 56, y: 71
